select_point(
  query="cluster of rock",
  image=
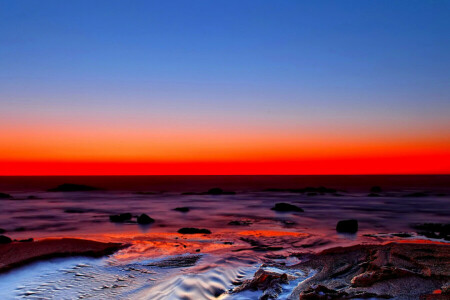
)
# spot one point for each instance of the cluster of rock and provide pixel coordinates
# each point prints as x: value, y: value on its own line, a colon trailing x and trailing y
x: 127, y: 218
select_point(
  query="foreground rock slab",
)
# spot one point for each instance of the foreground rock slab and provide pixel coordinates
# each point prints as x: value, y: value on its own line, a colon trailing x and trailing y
x: 16, y: 254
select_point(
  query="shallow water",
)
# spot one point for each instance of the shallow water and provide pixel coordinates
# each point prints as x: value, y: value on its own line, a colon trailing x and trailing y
x: 224, y: 257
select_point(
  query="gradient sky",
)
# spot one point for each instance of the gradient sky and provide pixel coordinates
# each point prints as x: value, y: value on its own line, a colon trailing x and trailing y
x: 224, y: 87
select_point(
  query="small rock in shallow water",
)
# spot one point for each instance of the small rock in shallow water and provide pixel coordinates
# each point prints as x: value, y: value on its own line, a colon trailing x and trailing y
x: 120, y: 218
x: 190, y: 230
x: 240, y: 223
x: 4, y: 239
x: 145, y: 219
x: 182, y: 209
x: 376, y: 189
x: 348, y: 226
x: 5, y: 196
x: 286, y: 207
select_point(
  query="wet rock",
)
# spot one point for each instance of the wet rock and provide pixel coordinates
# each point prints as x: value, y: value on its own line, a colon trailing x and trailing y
x: 240, y: 223
x: 120, y: 218
x: 182, y: 209
x: 145, y: 219
x: 176, y: 262
x: 376, y: 189
x: 191, y: 230
x: 29, y: 240
x: 4, y: 239
x: 369, y: 278
x: 433, y: 230
x: 268, y: 282
x: 71, y: 187
x: 286, y: 207
x: 416, y: 195
x: 5, y: 196
x: 218, y: 191
x: 320, y: 292
x: 347, y: 226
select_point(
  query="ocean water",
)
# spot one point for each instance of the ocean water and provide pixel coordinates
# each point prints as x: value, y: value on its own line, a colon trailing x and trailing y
x: 162, y: 264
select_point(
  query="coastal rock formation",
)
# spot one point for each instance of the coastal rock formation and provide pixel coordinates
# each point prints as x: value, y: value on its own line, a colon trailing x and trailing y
x: 71, y: 187
x: 191, y: 230
x: 4, y: 239
x: 5, y: 196
x: 145, y: 219
x: 286, y: 207
x: 347, y: 226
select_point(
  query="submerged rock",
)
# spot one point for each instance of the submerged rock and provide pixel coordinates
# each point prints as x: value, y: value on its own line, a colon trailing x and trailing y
x: 348, y: 226
x: 191, y: 230
x: 286, y: 207
x: 120, y: 218
x: 5, y: 240
x: 376, y: 189
x: 433, y: 230
x: 145, y: 219
x: 71, y: 187
x: 5, y: 196
x: 182, y: 209
x: 416, y: 195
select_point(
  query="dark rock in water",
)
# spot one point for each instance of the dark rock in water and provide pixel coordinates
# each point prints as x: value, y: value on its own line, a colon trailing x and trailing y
x: 348, y: 226
x: 75, y: 211
x: 32, y: 197
x: 268, y: 282
x: 240, y: 223
x: 2, y: 230
x: 312, y: 194
x: 145, y: 219
x: 182, y: 209
x: 5, y: 196
x: 373, y: 195
x: 369, y: 278
x: 176, y: 262
x: 320, y: 292
x: 120, y: 218
x: 376, y: 189
x: 71, y: 187
x: 26, y: 240
x: 286, y: 207
x: 218, y: 191
x: 402, y: 234
x: 190, y: 230
x: 434, y: 230
x: 4, y: 239
x: 416, y: 195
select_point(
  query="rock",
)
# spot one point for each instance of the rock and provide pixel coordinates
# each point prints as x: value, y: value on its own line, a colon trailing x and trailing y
x: 320, y: 292
x: 29, y: 240
x: 4, y: 239
x: 416, y: 195
x: 240, y: 223
x: 120, y: 218
x: 266, y: 281
x: 5, y: 196
x: 373, y: 195
x: 71, y: 187
x: 145, y: 219
x: 348, y: 226
x: 376, y: 189
x: 286, y: 207
x: 182, y: 209
x: 191, y: 230
x: 75, y: 211
x: 369, y: 278
x: 2, y: 230
x: 32, y: 197
x: 218, y: 191
x: 433, y: 230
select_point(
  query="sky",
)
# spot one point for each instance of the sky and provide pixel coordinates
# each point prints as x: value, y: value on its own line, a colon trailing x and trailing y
x: 224, y: 87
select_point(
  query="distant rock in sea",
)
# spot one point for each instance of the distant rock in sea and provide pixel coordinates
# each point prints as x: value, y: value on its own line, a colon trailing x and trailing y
x: 5, y: 196
x: 120, y: 218
x: 286, y: 207
x: 190, y: 230
x: 145, y: 219
x: 182, y: 209
x: 347, y: 226
x: 4, y: 239
x: 376, y: 189
x: 71, y: 187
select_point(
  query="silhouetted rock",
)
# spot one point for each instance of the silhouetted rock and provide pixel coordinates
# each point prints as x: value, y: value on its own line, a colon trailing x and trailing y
x: 120, y: 218
x: 373, y: 195
x: 4, y: 239
x: 240, y: 223
x: 32, y: 197
x: 2, y: 230
x: 5, y: 196
x: 145, y: 219
x: 182, y: 209
x: 29, y: 240
x: 433, y: 230
x: 190, y: 230
x: 416, y: 195
x: 349, y: 226
x: 218, y: 191
x: 71, y: 187
x: 286, y: 207
x: 75, y: 211
x: 376, y: 189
